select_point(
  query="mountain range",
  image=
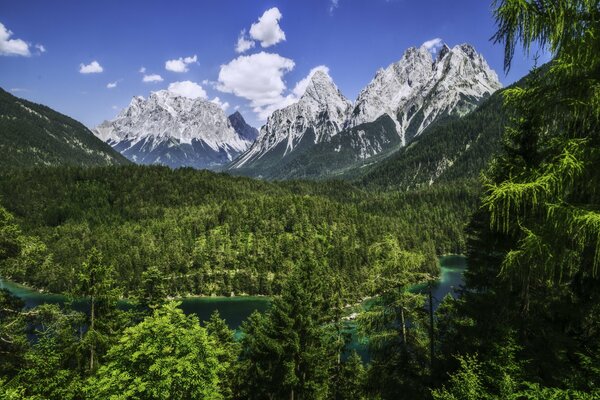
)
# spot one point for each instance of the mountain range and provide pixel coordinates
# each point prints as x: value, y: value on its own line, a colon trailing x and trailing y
x: 412, y: 125
x: 324, y: 134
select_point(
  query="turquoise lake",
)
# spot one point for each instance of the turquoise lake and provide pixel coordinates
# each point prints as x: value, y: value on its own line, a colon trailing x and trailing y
x: 236, y: 309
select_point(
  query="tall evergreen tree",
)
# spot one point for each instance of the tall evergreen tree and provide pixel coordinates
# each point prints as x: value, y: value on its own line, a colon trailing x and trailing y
x: 96, y: 283
x: 286, y: 353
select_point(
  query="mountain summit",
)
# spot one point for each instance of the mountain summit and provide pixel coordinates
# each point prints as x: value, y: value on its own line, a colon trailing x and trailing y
x: 317, y: 116
x: 173, y: 130
x: 418, y: 90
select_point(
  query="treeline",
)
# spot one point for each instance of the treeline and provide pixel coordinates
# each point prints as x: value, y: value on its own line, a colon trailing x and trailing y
x: 211, y: 233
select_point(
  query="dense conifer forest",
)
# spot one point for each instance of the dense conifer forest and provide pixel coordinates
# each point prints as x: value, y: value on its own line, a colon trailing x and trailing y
x: 524, y: 326
x: 210, y: 233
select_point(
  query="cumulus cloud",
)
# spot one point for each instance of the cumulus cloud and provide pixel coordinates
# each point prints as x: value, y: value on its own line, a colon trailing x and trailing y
x: 92, y: 68
x: 223, y: 105
x: 188, y: 89
x: 111, y: 85
x: 180, y: 64
x: 152, y: 78
x: 267, y: 30
x: 433, y: 45
x: 40, y: 48
x: 258, y: 78
x: 301, y: 86
x: 142, y: 70
x: 243, y: 43
x: 12, y: 47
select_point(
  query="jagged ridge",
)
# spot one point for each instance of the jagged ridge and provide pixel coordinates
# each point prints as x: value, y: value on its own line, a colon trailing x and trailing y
x: 414, y: 92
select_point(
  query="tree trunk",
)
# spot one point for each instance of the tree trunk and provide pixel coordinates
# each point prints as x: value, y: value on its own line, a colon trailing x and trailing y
x: 431, y: 329
x: 92, y: 319
x: 403, y: 323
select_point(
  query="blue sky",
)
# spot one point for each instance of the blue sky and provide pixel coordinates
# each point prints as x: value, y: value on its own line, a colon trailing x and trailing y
x: 51, y: 43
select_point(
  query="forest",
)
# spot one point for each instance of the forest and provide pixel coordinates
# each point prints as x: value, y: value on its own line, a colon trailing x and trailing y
x: 524, y: 326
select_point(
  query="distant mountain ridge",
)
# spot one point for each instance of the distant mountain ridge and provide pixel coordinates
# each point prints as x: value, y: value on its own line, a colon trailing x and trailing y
x: 324, y: 134
x: 176, y: 131
x: 35, y: 135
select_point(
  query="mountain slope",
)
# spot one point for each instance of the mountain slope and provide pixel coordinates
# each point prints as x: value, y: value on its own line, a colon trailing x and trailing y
x: 35, y: 135
x: 173, y: 130
x: 458, y: 148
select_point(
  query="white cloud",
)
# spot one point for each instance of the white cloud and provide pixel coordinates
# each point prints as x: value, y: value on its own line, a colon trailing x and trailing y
x: 92, y: 68
x: 301, y: 86
x: 152, y: 78
x: 267, y: 30
x: 12, y: 47
x: 115, y: 107
x: 433, y: 45
x: 16, y: 90
x: 112, y: 85
x: 188, y: 89
x: 333, y: 5
x: 142, y: 70
x: 258, y: 78
x: 40, y: 48
x: 180, y: 64
x: 243, y: 43
x: 223, y: 105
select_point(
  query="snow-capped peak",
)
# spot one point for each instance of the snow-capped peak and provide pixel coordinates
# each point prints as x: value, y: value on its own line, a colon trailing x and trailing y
x: 167, y: 120
x: 321, y: 108
x: 420, y: 88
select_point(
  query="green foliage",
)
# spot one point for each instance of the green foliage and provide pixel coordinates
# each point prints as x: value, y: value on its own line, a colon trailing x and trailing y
x: 392, y: 323
x: 468, y: 384
x: 95, y: 282
x: 35, y: 135
x: 228, y: 352
x: 152, y: 292
x: 166, y: 356
x: 351, y: 385
x: 10, y: 234
x: 13, y: 342
x: 534, y: 246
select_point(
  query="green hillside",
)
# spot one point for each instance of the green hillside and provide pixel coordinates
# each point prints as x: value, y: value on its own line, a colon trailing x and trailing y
x: 35, y: 135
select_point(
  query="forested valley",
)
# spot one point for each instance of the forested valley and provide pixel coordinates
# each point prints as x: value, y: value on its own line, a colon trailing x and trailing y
x: 524, y: 325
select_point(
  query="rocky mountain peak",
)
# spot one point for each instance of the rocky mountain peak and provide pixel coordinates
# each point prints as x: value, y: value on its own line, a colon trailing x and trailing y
x: 175, y: 130
x: 416, y: 90
x: 242, y: 128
